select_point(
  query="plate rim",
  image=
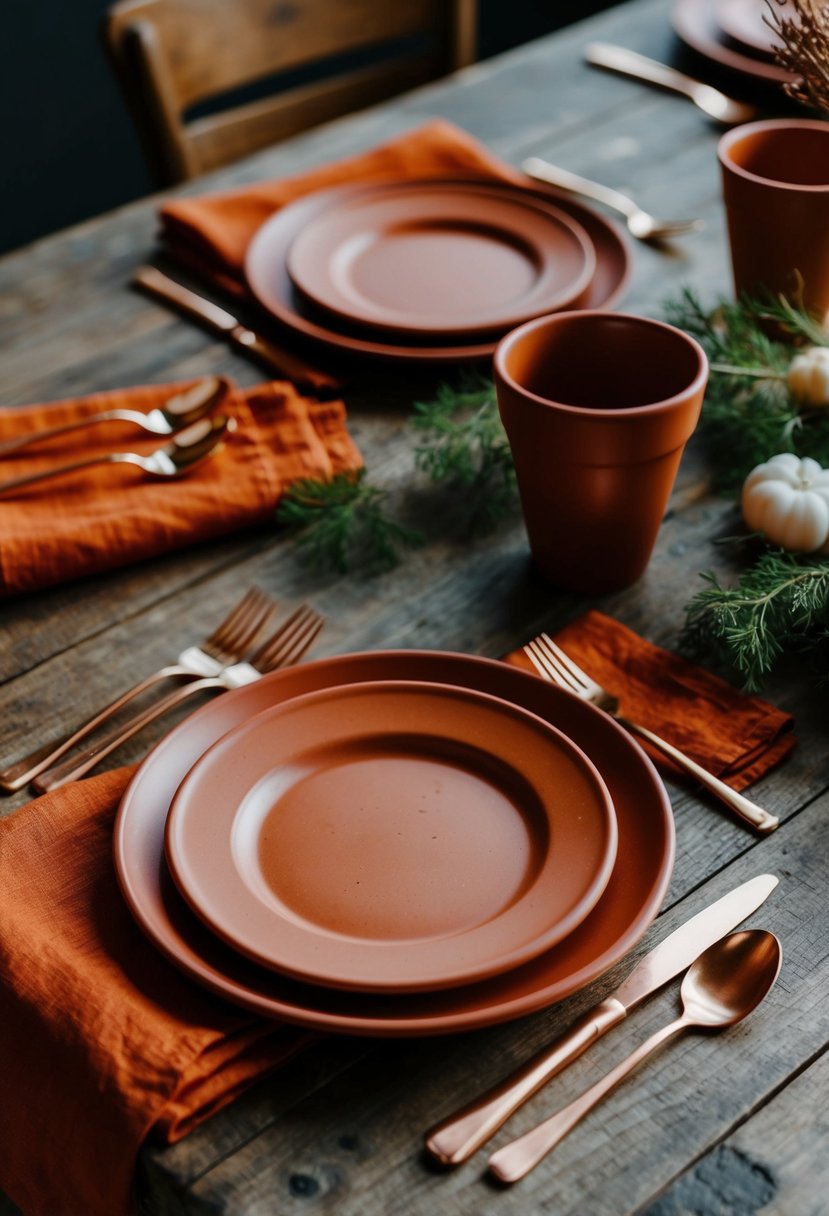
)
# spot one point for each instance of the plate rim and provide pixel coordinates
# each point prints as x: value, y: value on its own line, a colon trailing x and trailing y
x: 189, y: 802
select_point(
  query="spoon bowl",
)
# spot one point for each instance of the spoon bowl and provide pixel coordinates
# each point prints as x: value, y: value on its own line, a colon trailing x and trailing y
x: 721, y: 987
x: 730, y: 978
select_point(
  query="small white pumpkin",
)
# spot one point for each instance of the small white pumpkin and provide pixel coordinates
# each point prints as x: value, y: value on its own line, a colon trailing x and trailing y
x: 787, y: 499
x: 808, y: 376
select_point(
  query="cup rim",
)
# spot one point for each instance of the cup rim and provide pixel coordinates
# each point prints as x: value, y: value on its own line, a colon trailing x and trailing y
x: 582, y: 411
x: 733, y: 136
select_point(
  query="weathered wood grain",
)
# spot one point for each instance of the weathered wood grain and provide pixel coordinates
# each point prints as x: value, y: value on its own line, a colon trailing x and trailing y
x: 340, y: 1129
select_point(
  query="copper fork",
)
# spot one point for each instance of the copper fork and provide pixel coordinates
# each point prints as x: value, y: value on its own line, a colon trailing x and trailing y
x: 553, y: 664
x: 228, y: 643
x: 282, y: 649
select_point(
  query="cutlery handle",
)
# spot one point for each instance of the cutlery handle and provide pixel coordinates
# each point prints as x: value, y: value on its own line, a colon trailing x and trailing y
x: 738, y: 803
x: 23, y: 441
x: 306, y: 378
x: 17, y: 482
x: 639, y: 67
x: 458, y: 1137
x: 17, y: 775
x: 516, y: 1159
x: 554, y: 175
x: 79, y: 766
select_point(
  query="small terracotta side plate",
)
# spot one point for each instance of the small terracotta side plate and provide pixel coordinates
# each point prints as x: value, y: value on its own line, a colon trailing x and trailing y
x: 450, y: 259
x: 742, y: 21
x: 696, y: 23
x: 392, y: 836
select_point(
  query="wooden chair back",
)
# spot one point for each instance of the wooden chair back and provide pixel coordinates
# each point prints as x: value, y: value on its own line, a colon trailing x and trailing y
x: 173, y: 55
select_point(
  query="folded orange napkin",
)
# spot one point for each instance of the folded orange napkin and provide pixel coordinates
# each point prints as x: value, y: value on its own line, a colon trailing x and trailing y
x: 106, y: 517
x: 735, y: 736
x: 211, y: 234
x: 104, y: 1043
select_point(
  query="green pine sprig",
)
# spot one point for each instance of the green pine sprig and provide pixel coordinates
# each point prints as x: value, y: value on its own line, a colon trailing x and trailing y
x: 463, y: 447
x: 779, y: 605
x: 749, y: 414
x: 343, y: 523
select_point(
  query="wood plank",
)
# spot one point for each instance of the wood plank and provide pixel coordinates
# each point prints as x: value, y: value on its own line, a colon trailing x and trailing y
x: 775, y: 1163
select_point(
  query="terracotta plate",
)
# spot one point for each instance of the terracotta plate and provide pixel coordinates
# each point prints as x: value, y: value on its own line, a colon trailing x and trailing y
x: 630, y: 901
x: 268, y: 278
x: 441, y: 260
x: 742, y: 21
x: 392, y: 836
x: 696, y: 22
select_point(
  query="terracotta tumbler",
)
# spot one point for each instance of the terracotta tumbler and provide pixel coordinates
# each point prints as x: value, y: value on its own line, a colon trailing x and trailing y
x: 775, y: 177
x: 598, y: 407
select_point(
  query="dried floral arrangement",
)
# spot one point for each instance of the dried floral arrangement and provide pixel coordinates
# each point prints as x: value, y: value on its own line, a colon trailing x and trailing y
x: 802, y: 29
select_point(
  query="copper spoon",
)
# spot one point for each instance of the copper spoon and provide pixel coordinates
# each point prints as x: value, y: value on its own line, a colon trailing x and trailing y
x: 179, y: 411
x: 723, y: 986
x: 196, y: 443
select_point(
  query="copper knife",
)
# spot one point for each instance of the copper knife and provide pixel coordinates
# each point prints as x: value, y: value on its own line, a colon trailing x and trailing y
x: 458, y: 1137
x: 306, y: 378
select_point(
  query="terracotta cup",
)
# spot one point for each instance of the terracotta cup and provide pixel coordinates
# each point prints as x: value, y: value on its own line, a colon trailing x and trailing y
x: 598, y: 407
x: 775, y: 177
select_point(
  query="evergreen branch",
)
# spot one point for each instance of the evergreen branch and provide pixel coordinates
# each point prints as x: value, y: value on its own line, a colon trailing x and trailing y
x: 465, y: 448
x: 779, y: 605
x: 749, y: 413
x: 342, y: 523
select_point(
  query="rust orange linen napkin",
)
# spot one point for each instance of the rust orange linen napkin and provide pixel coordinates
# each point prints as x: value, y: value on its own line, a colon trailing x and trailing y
x: 102, y: 1041
x: 109, y: 516
x: 735, y: 736
x: 211, y: 234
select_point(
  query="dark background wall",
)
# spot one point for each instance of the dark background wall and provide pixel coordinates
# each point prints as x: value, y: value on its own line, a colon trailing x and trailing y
x: 69, y: 150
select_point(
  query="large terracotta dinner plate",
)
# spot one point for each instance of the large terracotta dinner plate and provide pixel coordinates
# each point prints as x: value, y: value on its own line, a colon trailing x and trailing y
x: 268, y: 279
x: 631, y: 900
x: 696, y: 22
x: 392, y: 836
x: 441, y: 260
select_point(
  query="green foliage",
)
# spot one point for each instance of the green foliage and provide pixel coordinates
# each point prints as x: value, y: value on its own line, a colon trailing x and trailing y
x: 464, y: 448
x: 749, y: 414
x: 779, y: 605
x: 342, y: 524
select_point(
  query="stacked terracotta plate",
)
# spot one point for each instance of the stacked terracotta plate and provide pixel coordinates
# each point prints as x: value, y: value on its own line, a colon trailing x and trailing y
x: 395, y: 843
x: 732, y: 34
x: 430, y: 271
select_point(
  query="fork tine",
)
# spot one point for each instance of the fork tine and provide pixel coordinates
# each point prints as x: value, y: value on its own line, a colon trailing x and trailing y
x: 238, y: 631
x: 566, y: 662
x: 302, y: 644
x: 281, y: 647
x: 549, y: 667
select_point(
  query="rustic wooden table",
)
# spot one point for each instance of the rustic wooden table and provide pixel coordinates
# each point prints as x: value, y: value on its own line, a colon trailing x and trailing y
x: 733, y: 1124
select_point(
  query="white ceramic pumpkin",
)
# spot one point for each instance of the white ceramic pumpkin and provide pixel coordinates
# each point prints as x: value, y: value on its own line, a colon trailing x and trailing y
x: 808, y: 376
x: 787, y: 499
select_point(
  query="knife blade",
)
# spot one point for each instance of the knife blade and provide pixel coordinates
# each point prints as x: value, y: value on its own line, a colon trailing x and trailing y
x: 455, y: 1139
x: 306, y: 378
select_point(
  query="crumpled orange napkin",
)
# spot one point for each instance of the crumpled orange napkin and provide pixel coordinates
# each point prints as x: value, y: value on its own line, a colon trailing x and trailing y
x: 106, y: 517
x: 735, y: 736
x: 210, y: 234
x: 103, y: 1042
